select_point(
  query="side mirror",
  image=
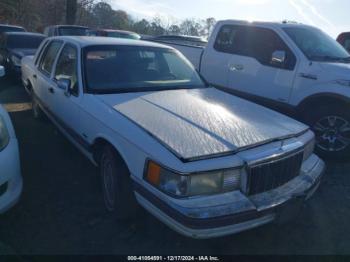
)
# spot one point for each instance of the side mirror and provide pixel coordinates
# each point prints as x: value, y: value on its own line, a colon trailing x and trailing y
x: 64, y: 84
x: 278, y: 58
x: 2, y: 71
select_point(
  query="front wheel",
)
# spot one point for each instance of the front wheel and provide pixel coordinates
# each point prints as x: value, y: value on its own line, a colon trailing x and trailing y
x: 116, y: 184
x: 332, y: 129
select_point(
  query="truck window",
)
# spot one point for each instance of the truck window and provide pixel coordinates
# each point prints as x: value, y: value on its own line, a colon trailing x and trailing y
x: 67, y: 67
x: 226, y: 39
x: 255, y: 42
x: 347, y: 44
x: 317, y: 45
x: 49, y: 56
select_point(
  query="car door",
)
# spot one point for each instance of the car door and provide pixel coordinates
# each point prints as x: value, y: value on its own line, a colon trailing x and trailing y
x: 261, y: 65
x: 43, y: 82
x: 66, y: 101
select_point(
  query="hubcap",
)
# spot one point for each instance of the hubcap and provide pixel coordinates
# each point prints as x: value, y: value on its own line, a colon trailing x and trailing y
x: 108, y: 183
x: 332, y: 133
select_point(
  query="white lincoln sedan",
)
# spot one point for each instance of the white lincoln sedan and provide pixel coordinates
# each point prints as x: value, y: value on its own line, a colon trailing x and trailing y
x: 204, y: 162
x: 10, y: 171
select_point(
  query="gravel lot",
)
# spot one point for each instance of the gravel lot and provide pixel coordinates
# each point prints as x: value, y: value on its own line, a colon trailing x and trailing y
x: 61, y: 210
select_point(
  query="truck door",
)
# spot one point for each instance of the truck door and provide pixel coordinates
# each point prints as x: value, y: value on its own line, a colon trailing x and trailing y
x: 261, y: 64
x: 215, y: 59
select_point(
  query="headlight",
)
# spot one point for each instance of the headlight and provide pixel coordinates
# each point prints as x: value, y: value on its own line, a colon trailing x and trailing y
x: 16, y: 60
x: 309, y: 149
x: 207, y: 183
x: 343, y: 82
x: 4, y: 135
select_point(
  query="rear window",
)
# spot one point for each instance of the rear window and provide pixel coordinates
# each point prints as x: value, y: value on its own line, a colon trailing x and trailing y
x: 72, y: 31
x: 124, y: 35
x: 24, y: 41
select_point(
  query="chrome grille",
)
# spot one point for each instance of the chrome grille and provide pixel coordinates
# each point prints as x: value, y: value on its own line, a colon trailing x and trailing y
x: 273, y: 173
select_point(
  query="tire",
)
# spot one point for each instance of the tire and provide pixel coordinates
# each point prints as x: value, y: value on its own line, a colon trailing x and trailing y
x: 331, y: 125
x: 36, y: 109
x: 116, y: 185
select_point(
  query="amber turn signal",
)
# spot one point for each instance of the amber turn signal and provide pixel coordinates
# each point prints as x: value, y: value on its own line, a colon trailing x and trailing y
x: 153, y: 173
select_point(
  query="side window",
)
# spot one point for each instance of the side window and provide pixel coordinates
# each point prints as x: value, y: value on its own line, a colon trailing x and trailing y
x: 46, y: 31
x: 66, y: 67
x: 50, y: 31
x: 226, y: 39
x: 261, y: 43
x: 40, y: 51
x: 347, y: 43
x: 255, y: 42
x: 47, y: 60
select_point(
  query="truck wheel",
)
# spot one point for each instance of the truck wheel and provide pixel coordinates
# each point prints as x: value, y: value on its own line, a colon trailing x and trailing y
x: 332, y: 129
x: 116, y: 184
x: 37, y: 112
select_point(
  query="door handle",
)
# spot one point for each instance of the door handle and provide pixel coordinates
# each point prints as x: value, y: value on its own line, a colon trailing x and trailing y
x: 236, y: 67
x: 35, y: 77
x: 51, y: 90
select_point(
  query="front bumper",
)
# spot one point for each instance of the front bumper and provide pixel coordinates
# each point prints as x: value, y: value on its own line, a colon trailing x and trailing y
x: 233, y: 212
x: 10, y: 176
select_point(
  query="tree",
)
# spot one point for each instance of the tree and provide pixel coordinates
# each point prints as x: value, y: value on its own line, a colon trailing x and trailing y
x: 157, y: 27
x: 71, y: 11
x: 209, y: 26
x: 190, y: 27
x: 34, y: 15
x: 142, y: 27
x: 174, y: 30
x: 103, y: 13
x: 121, y: 20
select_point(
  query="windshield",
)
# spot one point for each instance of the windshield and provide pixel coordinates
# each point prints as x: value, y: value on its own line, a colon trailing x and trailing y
x: 123, y: 35
x: 73, y: 31
x: 24, y: 41
x: 111, y: 69
x: 317, y: 45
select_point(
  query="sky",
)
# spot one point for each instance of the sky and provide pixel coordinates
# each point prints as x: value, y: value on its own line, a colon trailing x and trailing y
x: 332, y: 16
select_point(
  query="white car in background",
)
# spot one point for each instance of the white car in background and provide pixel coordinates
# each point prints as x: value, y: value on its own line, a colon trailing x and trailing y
x: 10, y: 171
x: 204, y: 162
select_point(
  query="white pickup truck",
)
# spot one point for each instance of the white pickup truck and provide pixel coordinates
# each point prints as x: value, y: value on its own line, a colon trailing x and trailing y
x: 205, y: 163
x: 294, y: 68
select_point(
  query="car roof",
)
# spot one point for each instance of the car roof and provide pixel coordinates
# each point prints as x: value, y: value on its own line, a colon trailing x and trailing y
x: 84, y: 41
x: 69, y: 26
x: 13, y: 26
x: 181, y: 37
x: 23, y: 34
x: 118, y: 31
x: 281, y: 24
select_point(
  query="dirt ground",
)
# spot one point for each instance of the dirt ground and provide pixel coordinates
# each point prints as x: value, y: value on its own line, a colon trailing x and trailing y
x: 61, y: 210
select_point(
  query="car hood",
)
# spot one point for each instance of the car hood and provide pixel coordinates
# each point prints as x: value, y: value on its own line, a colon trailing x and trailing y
x: 337, y: 70
x: 22, y: 52
x: 203, y: 123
